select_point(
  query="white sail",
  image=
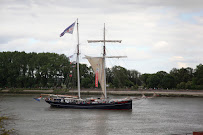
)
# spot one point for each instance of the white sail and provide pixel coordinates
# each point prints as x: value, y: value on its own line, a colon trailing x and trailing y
x: 97, y: 64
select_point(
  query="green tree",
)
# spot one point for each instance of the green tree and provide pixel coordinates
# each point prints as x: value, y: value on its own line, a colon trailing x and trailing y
x: 182, y: 76
x: 120, y: 77
x: 198, y: 77
x: 153, y: 81
x: 109, y: 77
x: 144, y: 78
x: 168, y: 81
x: 133, y: 76
x: 87, y: 76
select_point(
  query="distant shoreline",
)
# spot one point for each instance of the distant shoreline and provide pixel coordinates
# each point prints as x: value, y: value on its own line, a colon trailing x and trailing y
x: 116, y: 92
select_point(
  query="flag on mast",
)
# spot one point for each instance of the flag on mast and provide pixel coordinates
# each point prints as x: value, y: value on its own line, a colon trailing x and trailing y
x: 68, y: 30
x: 38, y: 99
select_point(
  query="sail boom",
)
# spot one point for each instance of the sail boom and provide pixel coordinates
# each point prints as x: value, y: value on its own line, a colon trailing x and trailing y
x: 116, y: 56
x: 93, y: 41
x: 86, y: 57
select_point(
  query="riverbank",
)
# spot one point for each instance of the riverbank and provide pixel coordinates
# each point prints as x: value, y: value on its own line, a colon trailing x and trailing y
x: 3, y: 130
x: 161, y: 93
x: 147, y: 93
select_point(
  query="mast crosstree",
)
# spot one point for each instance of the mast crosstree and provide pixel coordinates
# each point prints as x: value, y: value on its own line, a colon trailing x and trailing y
x: 104, y: 57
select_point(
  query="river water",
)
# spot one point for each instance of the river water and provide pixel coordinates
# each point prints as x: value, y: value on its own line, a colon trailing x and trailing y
x: 155, y: 116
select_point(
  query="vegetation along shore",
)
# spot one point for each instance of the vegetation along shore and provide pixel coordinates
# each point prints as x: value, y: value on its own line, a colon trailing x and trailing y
x: 22, y: 72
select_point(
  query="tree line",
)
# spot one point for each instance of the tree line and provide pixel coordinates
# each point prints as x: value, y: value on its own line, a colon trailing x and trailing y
x: 50, y: 70
x: 184, y: 78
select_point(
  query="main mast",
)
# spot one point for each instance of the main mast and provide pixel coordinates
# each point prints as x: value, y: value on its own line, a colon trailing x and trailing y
x: 104, y: 61
x: 78, y: 53
x: 104, y: 57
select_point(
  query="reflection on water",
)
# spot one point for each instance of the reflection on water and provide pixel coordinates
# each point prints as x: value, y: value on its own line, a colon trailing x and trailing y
x: 150, y: 116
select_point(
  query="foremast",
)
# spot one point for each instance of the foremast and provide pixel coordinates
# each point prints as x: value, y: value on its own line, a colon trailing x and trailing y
x: 78, y: 53
x: 104, y: 59
x: 104, y: 63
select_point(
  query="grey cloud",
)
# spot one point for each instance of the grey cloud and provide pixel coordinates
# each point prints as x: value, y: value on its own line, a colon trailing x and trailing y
x: 138, y: 23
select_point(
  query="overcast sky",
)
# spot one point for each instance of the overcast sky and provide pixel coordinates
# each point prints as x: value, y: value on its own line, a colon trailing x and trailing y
x: 157, y: 35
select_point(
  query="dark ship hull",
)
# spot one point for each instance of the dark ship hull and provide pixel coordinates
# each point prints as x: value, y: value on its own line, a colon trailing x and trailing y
x: 124, y: 105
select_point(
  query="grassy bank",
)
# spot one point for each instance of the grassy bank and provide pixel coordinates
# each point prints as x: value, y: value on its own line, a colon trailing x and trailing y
x: 146, y: 93
x: 3, y: 130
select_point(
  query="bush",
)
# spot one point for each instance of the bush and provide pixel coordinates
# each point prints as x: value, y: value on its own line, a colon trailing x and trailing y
x: 181, y: 85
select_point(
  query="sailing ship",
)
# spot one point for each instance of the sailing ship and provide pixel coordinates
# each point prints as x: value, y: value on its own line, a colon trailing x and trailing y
x: 98, y: 64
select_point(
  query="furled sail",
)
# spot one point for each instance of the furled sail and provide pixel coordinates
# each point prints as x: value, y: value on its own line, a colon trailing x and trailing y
x: 97, y: 64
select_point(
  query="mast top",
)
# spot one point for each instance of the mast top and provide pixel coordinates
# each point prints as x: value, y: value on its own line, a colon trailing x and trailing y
x: 104, y: 41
